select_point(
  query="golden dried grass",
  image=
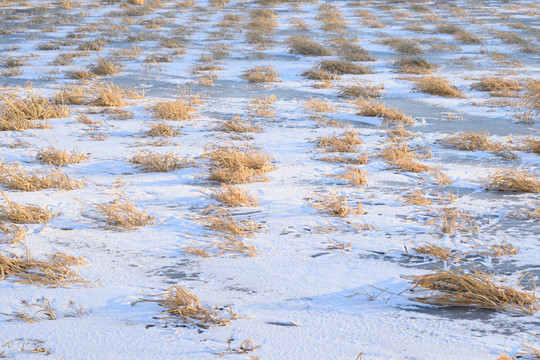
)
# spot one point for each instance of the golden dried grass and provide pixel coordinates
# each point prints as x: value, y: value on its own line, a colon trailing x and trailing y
x: 344, y: 143
x: 237, y: 125
x: 414, y: 65
x: 437, y: 86
x: 109, y: 95
x: 468, y: 141
x: 361, y: 90
x: 14, y: 234
x: 321, y: 75
x: 226, y: 245
x: 20, y: 113
x: 436, y: 251
x: 402, y: 157
x: 222, y: 221
x: 342, y: 67
x: 59, y: 157
x: 354, y: 176
x: 450, y: 220
x: 104, y: 67
x: 24, y: 213
x: 334, y: 205
x: 318, y: 106
x: 53, y: 272
x: 261, y: 74
x: 173, y: 110
x: 149, y: 161
x: 473, y: 288
x: 417, y: 197
x: 497, y: 86
x: 162, y: 129
x: 183, y: 306
x: 352, y: 159
x: 262, y: 106
x: 303, y: 45
x: 514, y: 181
x: 13, y: 176
x: 122, y: 214
x: 376, y: 109
x: 232, y: 196
x: 351, y: 51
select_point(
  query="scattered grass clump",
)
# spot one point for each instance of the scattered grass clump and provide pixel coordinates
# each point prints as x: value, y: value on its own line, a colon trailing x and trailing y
x: 469, y: 141
x: 361, y: 90
x: 237, y: 165
x: 350, y: 51
x: 497, y: 86
x: 344, y: 143
x: 514, y: 181
x: 467, y: 37
x: 404, y: 46
x: 71, y: 95
x: 59, y: 157
x: 21, y: 113
x: 109, y: 95
x: 450, y: 220
x: 531, y: 144
x: 222, y: 221
x: 263, y: 106
x: 173, y: 110
x: 13, y: 176
x: 341, y: 67
x: 24, y: 214
x: 436, y: 251
x: 321, y: 75
x: 122, y: 214
x: 354, y: 176
x: 377, y: 109
x: 149, y: 161
x: 473, y: 288
x: 183, y: 306
x: 303, y: 45
x: 417, y: 197
x: 261, y: 74
x: 104, y: 67
x: 232, y: 196
x: 402, y: 157
x: 352, y: 159
x: 80, y: 74
x: 414, y: 65
x: 162, y: 129
x: 335, y: 205
x: 13, y: 234
x: 237, y: 125
x: 53, y: 272
x: 437, y: 86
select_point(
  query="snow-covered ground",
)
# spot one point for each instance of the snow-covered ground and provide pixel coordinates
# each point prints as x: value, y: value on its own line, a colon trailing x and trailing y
x: 301, y: 297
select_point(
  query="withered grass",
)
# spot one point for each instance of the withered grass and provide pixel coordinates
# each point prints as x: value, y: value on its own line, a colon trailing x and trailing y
x: 230, y: 195
x: 122, y: 214
x: 354, y: 176
x: 24, y: 213
x: 237, y: 125
x: 303, y: 45
x: 437, y: 86
x: 162, y: 129
x: 376, y: 109
x: 342, y: 67
x: 514, y: 181
x: 497, y: 86
x: 174, y: 110
x: 12, y: 233
x: 473, y: 288
x: 59, y: 157
x: 261, y: 74
x: 344, y: 143
x: 13, y: 176
x: 220, y: 220
x: 149, y: 161
x: 334, y: 205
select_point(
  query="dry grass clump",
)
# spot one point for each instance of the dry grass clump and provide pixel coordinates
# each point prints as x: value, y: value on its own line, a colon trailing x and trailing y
x: 71, y: 95
x: 261, y: 74
x: 303, y: 45
x: 352, y: 159
x: 122, y: 214
x: 437, y: 251
x: 149, y: 161
x: 514, y: 181
x: 109, y: 95
x: 469, y: 141
x: 54, y: 271
x: 377, y: 109
x: 318, y: 106
x: 13, y: 176
x: 262, y: 106
x: 237, y: 125
x: 105, y: 67
x: 414, y: 65
x: 335, y: 205
x: 230, y: 195
x: 341, y: 67
x: 24, y: 214
x: 161, y: 128
x: 417, y: 197
x: 14, y: 234
x: 437, y: 86
x: 531, y: 144
x: 20, y: 113
x: 333, y: 20
x: 237, y: 165
x: 361, y: 90
x: 402, y: 157
x: 227, y: 244
x: 473, y: 288
x: 321, y: 75
x: 467, y: 37
x: 136, y: 2
x: 350, y: 51
x: 59, y: 157
x: 450, y: 220
x: 497, y: 86
x: 183, y: 306
x: 354, y: 176
x: 80, y: 74
x: 404, y: 46
x: 449, y: 29
x: 222, y: 221
x: 173, y: 110
x: 93, y: 45
x: 344, y: 143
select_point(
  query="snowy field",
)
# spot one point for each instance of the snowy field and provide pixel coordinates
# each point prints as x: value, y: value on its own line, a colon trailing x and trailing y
x: 366, y: 143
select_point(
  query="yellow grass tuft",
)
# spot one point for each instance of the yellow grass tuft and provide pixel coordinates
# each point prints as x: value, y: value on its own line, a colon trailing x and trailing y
x: 342, y: 67
x: 183, y: 306
x: 468, y: 141
x: 473, y: 288
x: 149, y: 161
x: 352, y: 159
x: 344, y: 143
x: 402, y: 157
x: 162, y: 129
x: 222, y: 221
x: 354, y: 176
x: 59, y: 157
x: 105, y: 67
x: 24, y: 214
x: 334, y: 205
x: 436, y: 251
x: 237, y: 125
x: 13, y: 176
x: 230, y: 195
x: 437, y: 86
x: 263, y: 106
x: 20, y: 113
x: 303, y: 45
x: 53, y: 272
x: 497, y: 86
x: 514, y: 181
x: 414, y: 65
x: 361, y: 90
x: 377, y: 109
x: 107, y: 94
x: 14, y: 234
x: 173, y: 110
x: 261, y: 74
x: 122, y: 214
x: 417, y: 197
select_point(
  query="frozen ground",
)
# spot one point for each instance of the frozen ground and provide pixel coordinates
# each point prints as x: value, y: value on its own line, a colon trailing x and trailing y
x: 303, y: 298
